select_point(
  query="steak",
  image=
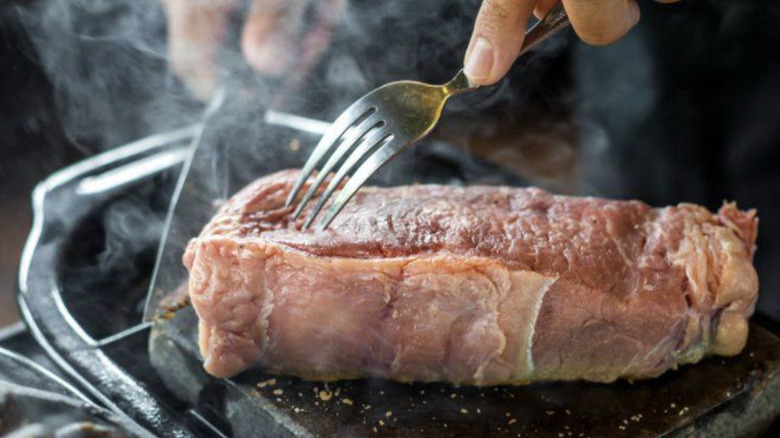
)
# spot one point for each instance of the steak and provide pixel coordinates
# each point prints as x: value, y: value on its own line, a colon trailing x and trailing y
x: 475, y: 285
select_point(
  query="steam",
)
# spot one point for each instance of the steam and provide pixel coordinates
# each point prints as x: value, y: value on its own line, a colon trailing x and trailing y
x: 131, y: 228
x: 108, y: 63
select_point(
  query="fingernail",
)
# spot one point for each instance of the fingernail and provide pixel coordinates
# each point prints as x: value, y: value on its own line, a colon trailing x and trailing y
x: 479, y: 62
x: 272, y: 56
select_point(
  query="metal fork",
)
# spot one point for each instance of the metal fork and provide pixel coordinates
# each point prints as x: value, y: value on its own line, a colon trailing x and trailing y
x: 381, y: 124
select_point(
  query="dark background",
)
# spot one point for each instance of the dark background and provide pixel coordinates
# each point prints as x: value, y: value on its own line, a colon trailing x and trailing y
x: 32, y: 145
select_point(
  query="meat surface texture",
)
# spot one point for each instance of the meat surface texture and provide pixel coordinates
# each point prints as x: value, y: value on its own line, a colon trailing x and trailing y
x: 475, y: 285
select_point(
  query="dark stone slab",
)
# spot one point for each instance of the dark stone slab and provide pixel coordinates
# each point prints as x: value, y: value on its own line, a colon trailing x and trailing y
x: 724, y: 397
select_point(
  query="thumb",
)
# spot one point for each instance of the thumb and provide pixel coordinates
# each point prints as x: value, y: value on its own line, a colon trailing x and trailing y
x: 496, y: 40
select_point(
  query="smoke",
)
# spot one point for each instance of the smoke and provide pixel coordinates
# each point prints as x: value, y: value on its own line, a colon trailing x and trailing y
x: 110, y: 65
x: 131, y: 228
x: 111, y: 68
x: 107, y: 61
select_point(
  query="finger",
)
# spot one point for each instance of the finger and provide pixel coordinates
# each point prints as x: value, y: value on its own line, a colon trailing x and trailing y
x: 496, y: 40
x: 543, y: 7
x: 269, y: 40
x: 195, y: 32
x: 601, y: 22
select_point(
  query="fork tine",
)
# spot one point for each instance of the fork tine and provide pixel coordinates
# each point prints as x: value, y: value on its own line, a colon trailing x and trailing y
x: 337, y: 129
x: 351, y: 138
x: 378, y: 159
x: 367, y: 144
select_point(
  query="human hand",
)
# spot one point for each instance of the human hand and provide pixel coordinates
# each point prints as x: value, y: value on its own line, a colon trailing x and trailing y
x: 500, y: 26
x: 272, y: 39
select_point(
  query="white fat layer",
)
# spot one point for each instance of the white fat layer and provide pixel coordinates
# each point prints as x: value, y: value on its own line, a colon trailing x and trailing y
x: 531, y: 287
x: 692, y: 257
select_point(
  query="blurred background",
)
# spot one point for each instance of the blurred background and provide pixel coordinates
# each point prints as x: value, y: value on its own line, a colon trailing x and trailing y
x: 32, y: 146
x: 686, y: 108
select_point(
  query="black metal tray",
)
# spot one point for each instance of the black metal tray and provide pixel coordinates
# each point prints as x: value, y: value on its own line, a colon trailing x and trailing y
x: 90, y: 328
x: 34, y: 400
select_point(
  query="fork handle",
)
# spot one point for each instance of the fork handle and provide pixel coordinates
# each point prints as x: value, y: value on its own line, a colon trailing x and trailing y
x: 457, y: 85
x: 548, y: 26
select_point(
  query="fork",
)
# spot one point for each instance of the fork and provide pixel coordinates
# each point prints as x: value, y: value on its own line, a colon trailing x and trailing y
x: 381, y: 124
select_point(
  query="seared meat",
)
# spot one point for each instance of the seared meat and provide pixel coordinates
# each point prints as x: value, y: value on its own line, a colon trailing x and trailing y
x: 476, y: 285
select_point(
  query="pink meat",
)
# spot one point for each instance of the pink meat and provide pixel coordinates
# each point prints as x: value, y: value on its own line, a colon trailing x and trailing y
x: 477, y: 285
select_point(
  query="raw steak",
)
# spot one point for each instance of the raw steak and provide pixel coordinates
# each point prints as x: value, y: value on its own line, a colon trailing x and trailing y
x: 476, y: 285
